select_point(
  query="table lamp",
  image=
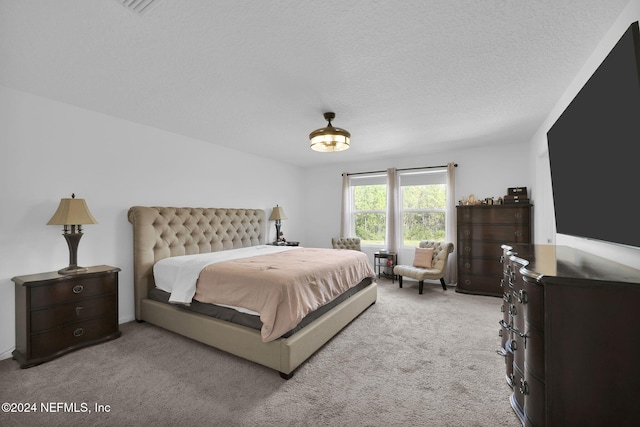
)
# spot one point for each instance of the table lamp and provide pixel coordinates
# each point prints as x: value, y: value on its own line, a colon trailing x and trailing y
x: 72, y: 214
x: 277, y: 214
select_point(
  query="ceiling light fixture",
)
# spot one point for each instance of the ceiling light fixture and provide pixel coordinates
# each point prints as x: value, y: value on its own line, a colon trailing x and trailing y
x: 330, y: 138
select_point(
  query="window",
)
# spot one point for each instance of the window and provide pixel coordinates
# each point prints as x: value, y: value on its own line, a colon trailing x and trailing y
x: 418, y: 209
x: 423, y: 206
x: 369, y: 208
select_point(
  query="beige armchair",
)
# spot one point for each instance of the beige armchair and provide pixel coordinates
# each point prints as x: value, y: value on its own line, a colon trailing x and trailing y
x: 346, y: 243
x: 441, y: 251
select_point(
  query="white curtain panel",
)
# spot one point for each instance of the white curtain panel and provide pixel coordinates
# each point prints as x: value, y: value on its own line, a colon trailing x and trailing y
x: 394, y: 221
x: 451, y: 224
x: 345, y: 214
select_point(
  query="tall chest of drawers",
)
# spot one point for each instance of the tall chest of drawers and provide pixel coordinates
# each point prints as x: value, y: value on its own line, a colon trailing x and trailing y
x: 569, y: 337
x: 482, y: 229
x: 56, y: 314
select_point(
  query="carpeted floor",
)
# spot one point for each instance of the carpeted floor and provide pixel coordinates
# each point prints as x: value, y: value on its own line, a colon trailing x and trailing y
x: 409, y: 360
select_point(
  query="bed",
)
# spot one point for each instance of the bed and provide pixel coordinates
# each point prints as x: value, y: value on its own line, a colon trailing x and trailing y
x: 164, y: 232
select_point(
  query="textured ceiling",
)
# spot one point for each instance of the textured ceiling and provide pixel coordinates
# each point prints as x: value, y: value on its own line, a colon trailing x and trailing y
x: 404, y: 77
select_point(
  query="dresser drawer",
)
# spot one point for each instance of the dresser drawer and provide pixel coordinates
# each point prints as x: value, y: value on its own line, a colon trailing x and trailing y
x: 479, y: 284
x: 534, y: 400
x: 489, y: 267
x: 471, y: 248
x: 534, y: 353
x: 49, y: 318
x: 534, y: 302
x: 74, y: 334
x: 508, y: 359
x: 72, y: 290
x: 497, y: 233
x: 517, y: 398
x: 502, y: 215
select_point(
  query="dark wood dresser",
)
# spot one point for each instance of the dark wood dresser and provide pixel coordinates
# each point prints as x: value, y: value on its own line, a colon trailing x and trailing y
x: 482, y: 229
x: 569, y: 335
x: 56, y: 314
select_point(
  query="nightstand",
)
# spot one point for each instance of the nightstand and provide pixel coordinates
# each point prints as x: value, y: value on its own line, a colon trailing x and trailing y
x: 385, y: 260
x: 57, y: 314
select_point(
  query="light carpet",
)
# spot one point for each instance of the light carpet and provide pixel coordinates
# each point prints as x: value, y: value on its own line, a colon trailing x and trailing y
x: 409, y: 360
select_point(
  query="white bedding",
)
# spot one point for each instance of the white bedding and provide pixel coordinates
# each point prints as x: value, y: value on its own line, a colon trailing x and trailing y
x: 178, y: 275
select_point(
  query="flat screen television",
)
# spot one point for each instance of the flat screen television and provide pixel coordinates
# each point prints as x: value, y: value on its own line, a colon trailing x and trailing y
x: 595, y: 171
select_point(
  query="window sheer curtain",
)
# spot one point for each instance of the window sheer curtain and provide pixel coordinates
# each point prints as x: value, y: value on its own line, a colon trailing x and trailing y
x: 345, y: 214
x: 451, y: 223
x: 393, y: 236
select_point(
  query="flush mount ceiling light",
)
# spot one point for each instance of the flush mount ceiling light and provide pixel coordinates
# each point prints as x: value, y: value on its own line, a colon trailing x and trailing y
x: 329, y: 138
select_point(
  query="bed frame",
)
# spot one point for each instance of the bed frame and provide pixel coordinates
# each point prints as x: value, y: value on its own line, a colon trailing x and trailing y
x: 162, y: 232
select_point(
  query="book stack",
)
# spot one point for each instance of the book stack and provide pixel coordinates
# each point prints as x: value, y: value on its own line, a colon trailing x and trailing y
x: 516, y: 195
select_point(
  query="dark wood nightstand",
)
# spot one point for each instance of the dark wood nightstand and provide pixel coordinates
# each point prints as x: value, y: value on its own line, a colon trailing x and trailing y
x: 57, y: 314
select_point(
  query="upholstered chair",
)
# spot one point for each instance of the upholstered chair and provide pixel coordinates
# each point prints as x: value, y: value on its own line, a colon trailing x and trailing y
x: 346, y: 243
x: 421, y: 269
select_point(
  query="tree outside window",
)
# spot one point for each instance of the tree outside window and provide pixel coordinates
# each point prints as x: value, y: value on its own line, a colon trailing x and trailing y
x: 370, y: 213
x: 423, y: 213
x: 422, y: 207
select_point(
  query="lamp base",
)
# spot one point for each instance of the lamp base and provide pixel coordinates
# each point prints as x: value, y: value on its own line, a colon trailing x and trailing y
x: 73, y: 239
x: 72, y: 269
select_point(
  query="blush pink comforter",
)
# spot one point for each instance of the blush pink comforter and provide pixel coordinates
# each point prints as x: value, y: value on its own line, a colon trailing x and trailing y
x: 283, y: 287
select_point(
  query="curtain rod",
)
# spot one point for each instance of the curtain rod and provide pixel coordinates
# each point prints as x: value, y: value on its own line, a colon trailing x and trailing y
x: 405, y: 169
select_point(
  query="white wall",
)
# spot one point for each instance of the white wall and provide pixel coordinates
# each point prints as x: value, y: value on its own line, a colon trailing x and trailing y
x: 482, y: 171
x: 544, y: 228
x: 49, y: 150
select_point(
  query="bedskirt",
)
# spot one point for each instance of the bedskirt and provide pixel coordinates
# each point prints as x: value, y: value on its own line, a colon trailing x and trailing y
x: 251, y: 320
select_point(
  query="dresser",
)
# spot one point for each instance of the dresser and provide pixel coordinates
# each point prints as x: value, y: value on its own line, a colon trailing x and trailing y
x: 56, y: 314
x: 482, y: 229
x: 569, y: 336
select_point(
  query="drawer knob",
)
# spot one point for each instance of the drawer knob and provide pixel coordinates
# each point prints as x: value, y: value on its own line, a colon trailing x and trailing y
x: 77, y: 289
x: 514, y: 345
x: 78, y: 332
x: 522, y: 297
x: 524, y: 387
x: 78, y: 309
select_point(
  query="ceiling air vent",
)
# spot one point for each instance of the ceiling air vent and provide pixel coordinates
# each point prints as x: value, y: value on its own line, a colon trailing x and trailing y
x: 138, y: 6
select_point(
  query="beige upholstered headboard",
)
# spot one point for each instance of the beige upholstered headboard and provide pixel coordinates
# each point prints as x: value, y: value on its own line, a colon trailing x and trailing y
x: 162, y: 232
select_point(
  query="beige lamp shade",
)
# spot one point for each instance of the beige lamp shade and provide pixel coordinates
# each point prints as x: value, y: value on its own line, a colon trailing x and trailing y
x: 277, y: 214
x: 72, y: 212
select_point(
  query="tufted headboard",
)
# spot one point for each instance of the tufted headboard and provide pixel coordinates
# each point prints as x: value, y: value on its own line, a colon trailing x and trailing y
x: 162, y: 232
